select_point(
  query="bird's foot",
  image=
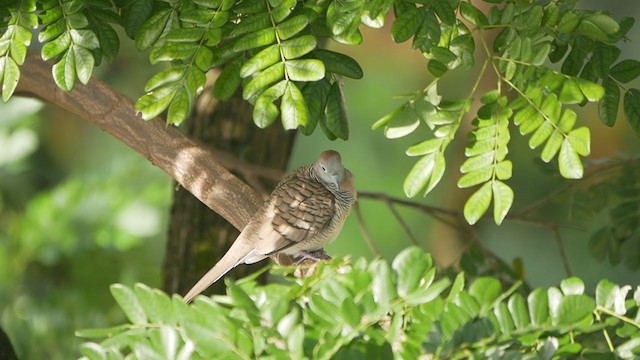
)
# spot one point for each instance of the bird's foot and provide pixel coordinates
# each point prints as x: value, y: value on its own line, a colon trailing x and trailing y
x: 313, y: 256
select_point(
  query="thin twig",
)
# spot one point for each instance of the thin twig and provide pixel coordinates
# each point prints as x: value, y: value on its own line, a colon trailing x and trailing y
x: 563, y: 254
x: 402, y: 223
x: 594, y: 171
x: 365, y: 231
x: 422, y: 207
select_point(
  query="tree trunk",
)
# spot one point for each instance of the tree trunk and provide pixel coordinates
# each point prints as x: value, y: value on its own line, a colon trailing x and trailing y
x: 198, y: 237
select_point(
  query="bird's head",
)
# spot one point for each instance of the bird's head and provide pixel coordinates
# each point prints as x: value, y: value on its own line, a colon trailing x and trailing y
x: 331, y: 172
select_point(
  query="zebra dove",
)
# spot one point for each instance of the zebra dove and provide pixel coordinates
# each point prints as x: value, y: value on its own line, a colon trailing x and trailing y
x: 304, y: 212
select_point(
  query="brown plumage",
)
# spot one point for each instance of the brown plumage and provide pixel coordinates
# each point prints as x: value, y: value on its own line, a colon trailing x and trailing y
x: 304, y: 212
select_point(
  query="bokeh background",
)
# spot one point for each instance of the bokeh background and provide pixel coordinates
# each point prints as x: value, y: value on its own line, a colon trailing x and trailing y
x: 80, y: 211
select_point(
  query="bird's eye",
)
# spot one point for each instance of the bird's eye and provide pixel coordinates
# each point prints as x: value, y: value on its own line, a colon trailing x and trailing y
x: 323, y: 168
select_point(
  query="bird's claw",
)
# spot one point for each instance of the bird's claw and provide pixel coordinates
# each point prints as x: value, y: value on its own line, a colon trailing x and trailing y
x: 315, y: 256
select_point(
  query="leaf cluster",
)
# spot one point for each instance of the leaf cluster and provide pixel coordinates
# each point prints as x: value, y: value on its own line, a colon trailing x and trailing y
x: 613, y: 195
x: 374, y: 310
x: 269, y: 48
x: 529, y: 94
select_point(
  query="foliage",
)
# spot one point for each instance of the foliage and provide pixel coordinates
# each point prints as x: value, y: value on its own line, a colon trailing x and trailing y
x: 374, y: 310
x: 270, y: 49
x: 67, y: 233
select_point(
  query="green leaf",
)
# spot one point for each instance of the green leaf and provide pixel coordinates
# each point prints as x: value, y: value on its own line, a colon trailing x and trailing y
x: 153, y: 104
x: 632, y: 109
x: 293, y: 108
x: 572, y: 286
x: 135, y: 14
x: 518, y: 310
x: 291, y: 27
x: 180, y: 106
x: 64, y: 71
x: 203, y: 58
x: 438, y: 172
x: 569, y: 161
x: 437, y: 68
x: 264, y: 113
x: 228, y: 81
x: 265, y: 78
x: 84, y: 63
x: 604, y: 23
x: 502, y: 200
x: 445, y: 12
x: 255, y: 39
x: 591, y: 90
x: 171, y: 52
x: 573, y: 308
x: 336, y: 112
x: 56, y: 47
x: 298, y: 47
x: 151, y: 30
x: 339, y: 63
x: 419, y: 175
x: 425, y: 147
x: 485, y: 290
x: 109, y: 41
x: 261, y: 60
x: 85, y: 38
x: 165, y: 77
x: 580, y: 140
x: 410, y: 267
x: 553, y: 145
x: 503, y: 170
x: 505, y: 321
x: 315, y: 95
x: 129, y: 304
x: 10, y: 75
x: 608, y: 106
x: 93, y: 351
x: 304, y: 70
x: 567, y: 121
x: 626, y: 70
x: 477, y: 204
x: 538, y: 307
x: 382, y: 286
x: 403, y: 124
x: 475, y: 177
x: 571, y: 93
x: 542, y: 134
x: 473, y: 15
x: 406, y: 25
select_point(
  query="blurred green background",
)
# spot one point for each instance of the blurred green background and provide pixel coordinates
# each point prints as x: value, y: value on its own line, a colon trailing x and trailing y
x: 80, y: 211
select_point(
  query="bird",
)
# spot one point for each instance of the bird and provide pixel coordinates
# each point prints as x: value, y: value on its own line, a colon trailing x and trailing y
x: 305, y: 212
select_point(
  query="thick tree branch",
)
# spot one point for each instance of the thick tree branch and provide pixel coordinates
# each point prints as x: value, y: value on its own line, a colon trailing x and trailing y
x: 190, y: 164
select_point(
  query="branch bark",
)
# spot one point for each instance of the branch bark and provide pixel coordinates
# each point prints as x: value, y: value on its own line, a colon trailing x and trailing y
x: 190, y: 164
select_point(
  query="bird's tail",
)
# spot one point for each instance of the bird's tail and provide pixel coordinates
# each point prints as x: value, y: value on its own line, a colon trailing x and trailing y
x: 235, y: 256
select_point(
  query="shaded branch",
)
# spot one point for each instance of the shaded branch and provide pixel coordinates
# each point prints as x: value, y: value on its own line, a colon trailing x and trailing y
x: 189, y: 163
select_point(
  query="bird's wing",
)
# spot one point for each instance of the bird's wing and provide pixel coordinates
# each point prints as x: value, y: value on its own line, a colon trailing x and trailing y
x: 298, y: 210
